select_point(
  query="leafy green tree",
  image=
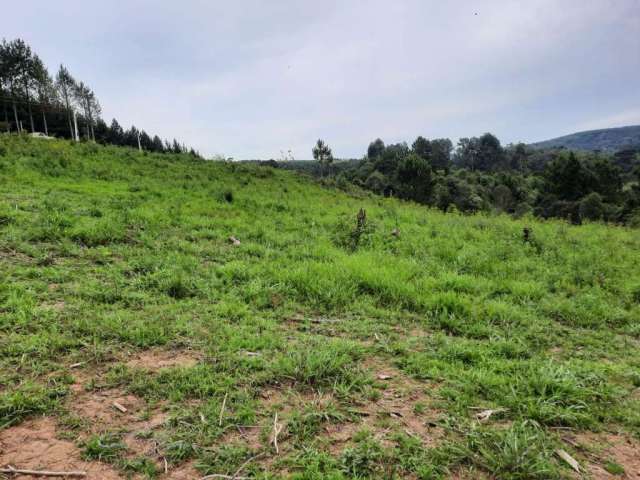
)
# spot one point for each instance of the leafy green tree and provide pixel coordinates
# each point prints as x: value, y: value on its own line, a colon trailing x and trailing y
x: 322, y: 154
x: 116, y: 133
x: 516, y: 157
x: 422, y: 147
x: 592, y: 207
x: 376, y: 148
x: 157, y: 145
x: 502, y: 198
x: 377, y: 182
x: 414, y: 174
x: 441, y: 154
x: 468, y: 153
x: 608, y: 179
x: 567, y: 178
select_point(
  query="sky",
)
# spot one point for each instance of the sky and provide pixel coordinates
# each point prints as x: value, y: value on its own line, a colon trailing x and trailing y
x: 255, y: 78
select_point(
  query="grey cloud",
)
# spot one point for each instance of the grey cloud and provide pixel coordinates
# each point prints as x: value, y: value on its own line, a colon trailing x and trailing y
x: 251, y: 78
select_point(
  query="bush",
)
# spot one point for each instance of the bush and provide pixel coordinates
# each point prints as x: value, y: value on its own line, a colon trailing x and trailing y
x: 352, y: 236
x: 591, y: 207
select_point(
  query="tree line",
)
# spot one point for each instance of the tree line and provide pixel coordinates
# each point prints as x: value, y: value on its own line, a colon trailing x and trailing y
x: 480, y: 174
x: 62, y: 106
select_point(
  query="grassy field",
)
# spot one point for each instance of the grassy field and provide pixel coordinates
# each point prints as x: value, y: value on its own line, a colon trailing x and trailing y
x: 452, y: 349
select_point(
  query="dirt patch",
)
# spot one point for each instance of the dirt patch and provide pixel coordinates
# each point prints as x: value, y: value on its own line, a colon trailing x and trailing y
x: 112, y: 410
x: 155, y: 359
x: 100, y: 408
x: 599, y: 449
x: 33, y: 445
x: 57, y: 306
x: 404, y: 406
x: 183, y: 472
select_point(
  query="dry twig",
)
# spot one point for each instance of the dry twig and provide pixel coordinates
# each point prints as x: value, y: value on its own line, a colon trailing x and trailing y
x: 41, y: 473
x: 224, y: 403
x: 276, y: 431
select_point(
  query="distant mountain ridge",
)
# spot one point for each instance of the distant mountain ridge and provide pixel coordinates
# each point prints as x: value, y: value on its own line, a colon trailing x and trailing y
x: 606, y: 139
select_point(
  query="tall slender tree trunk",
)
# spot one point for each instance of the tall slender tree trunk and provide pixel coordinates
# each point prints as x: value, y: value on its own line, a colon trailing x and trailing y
x: 72, y: 135
x: 44, y: 122
x: 26, y: 91
x: 65, y: 95
x: 33, y: 128
x: 93, y: 135
x: 15, y: 115
x: 6, y: 115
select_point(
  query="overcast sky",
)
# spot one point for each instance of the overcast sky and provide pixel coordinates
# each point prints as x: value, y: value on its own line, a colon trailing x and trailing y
x: 248, y: 79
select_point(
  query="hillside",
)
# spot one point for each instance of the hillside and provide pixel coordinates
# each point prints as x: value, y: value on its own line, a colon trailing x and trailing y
x: 607, y: 139
x: 166, y: 317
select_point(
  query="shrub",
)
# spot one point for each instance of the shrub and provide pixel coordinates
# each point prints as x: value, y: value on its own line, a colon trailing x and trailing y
x: 591, y: 207
x: 351, y: 236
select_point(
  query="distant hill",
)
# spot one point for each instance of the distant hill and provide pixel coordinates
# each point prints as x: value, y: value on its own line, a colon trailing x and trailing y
x: 606, y: 139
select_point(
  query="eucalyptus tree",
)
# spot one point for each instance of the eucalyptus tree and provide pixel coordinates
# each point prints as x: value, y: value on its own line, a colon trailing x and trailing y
x: 24, y: 65
x: 66, y: 84
x: 45, y: 89
x: 87, y: 100
x: 9, y: 72
x: 5, y: 91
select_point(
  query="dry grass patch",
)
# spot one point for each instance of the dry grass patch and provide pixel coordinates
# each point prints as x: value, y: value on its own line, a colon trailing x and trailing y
x: 156, y: 358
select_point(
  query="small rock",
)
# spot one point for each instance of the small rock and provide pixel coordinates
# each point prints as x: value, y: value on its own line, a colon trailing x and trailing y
x: 233, y: 240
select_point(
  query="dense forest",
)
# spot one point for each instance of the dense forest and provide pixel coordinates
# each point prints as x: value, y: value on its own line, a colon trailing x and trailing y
x: 480, y: 174
x: 605, y: 139
x: 62, y: 106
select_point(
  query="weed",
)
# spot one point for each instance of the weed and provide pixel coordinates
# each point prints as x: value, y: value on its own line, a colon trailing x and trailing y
x: 366, y: 458
x: 613, y: 468
x: 105, y: 448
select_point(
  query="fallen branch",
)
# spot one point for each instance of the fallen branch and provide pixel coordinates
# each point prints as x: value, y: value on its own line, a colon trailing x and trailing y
x: 220, y: 475
x: 224, y: 402
x: 120, y: 407
x: 276, y: 430
x: 41, y: 473
x: 235, y: 475
x: 573, y: 463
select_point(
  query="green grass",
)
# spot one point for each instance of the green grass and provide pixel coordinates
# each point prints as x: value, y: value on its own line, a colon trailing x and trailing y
x: 106, y: 252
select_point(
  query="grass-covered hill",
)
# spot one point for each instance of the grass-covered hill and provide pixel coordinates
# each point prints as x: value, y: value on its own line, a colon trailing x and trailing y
x: 606, y: 139
x: 138, y: 339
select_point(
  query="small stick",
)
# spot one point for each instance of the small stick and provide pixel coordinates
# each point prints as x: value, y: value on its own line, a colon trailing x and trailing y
x: 76, y: 365
x: 166, y: 465
x: 220, y: 475
x: 41, y: 473
x: 276, y: 431
x: 120, y: 407
x: 224, y: 402
x: 235, y: 475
